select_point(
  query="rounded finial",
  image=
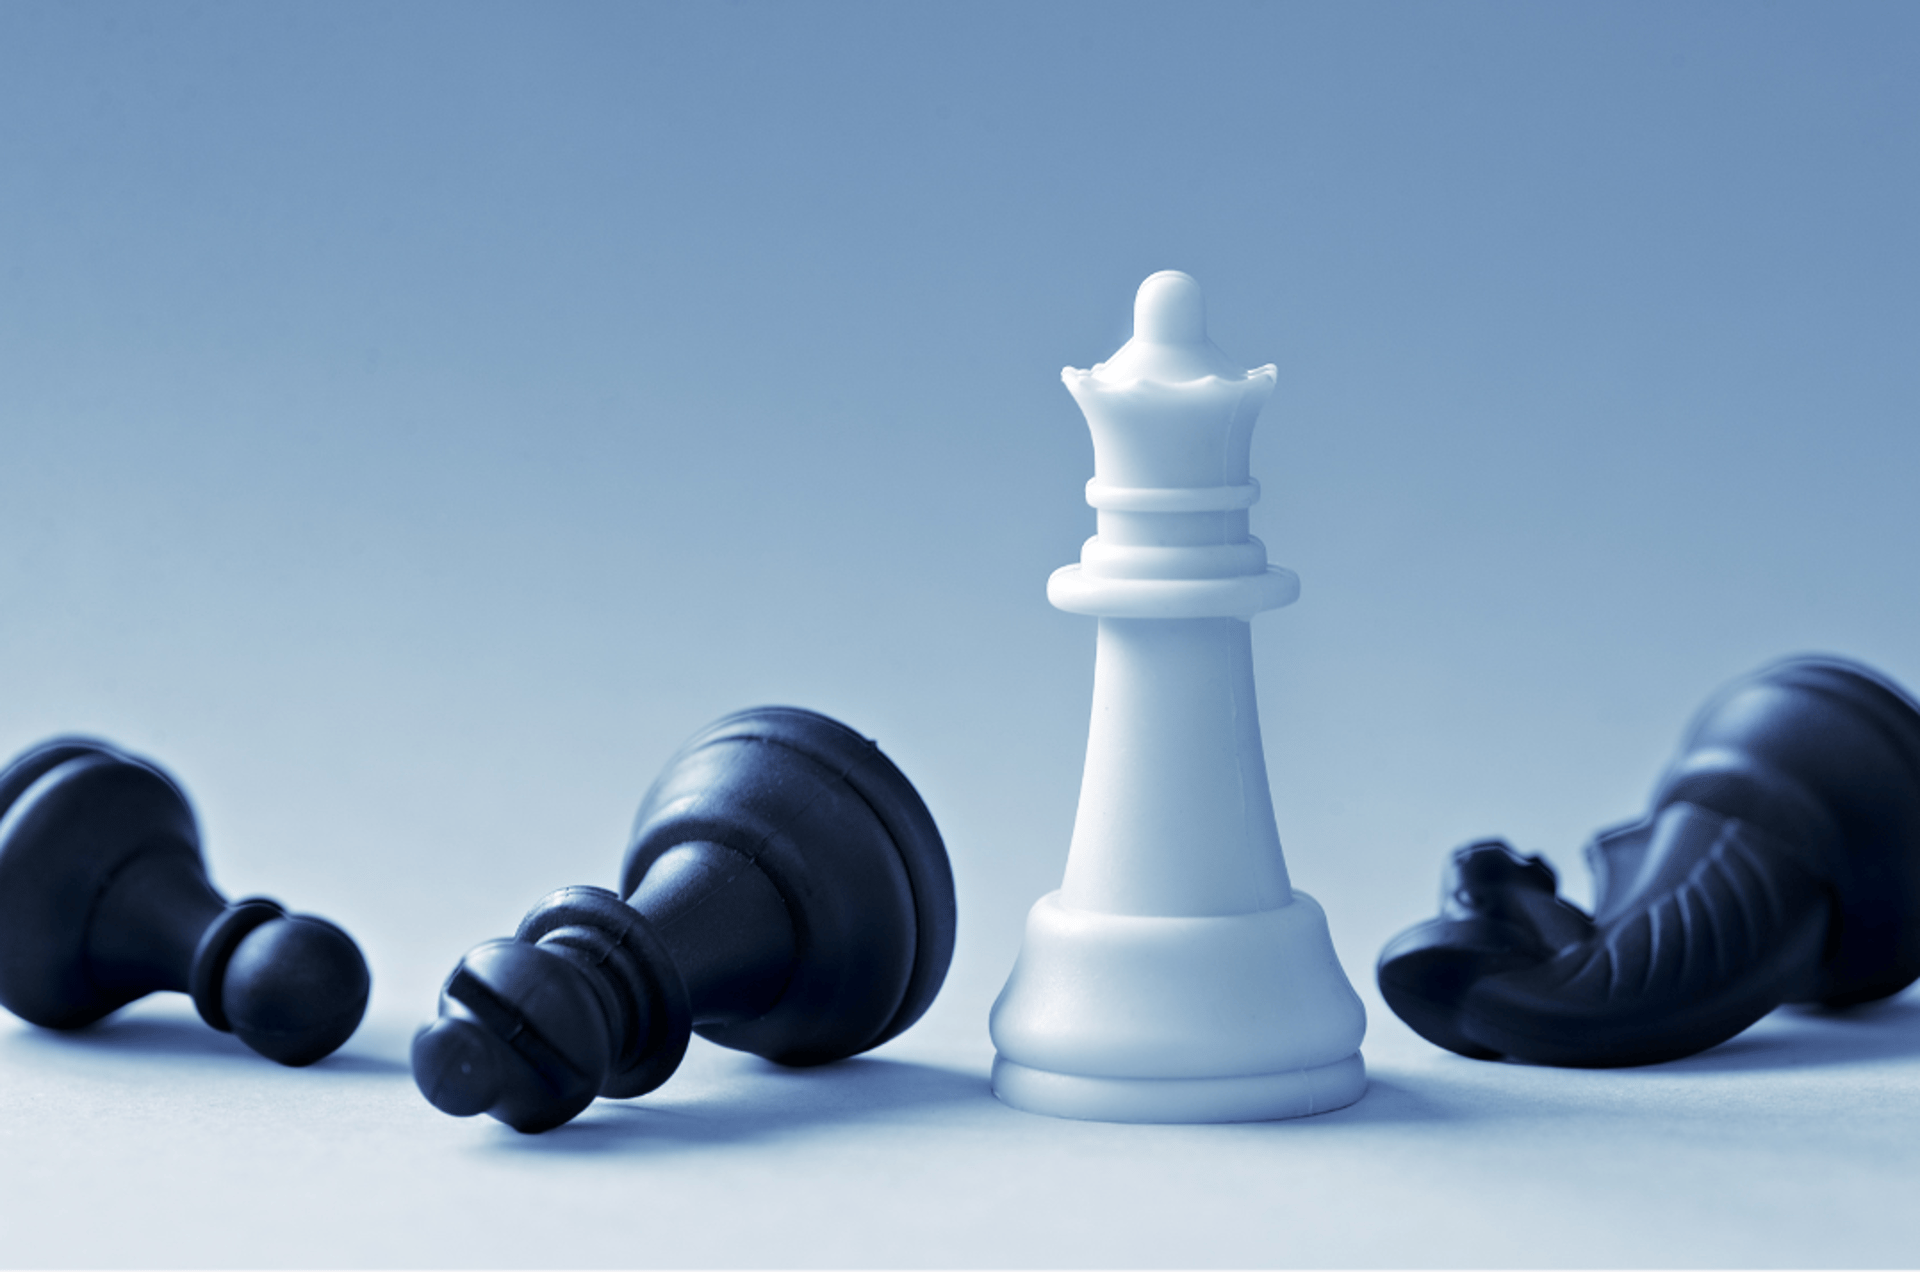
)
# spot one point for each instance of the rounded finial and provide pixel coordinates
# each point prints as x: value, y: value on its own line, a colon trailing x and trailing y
x: 1169, y: 309
x: 522, y: 1034
x: 456, y: 1068
x: 1169, y: 343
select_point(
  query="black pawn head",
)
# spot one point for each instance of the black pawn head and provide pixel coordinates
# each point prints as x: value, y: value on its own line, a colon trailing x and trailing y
x: 1823, y: 753
x: 295, y: 988
x: 104, y: 898
x: 786, y: 894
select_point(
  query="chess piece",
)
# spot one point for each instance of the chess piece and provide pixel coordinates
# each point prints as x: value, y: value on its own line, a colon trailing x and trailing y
x: 1780, y: 864
x: 104, y: 898
x: 786, y: 893
x: 1176, y: 976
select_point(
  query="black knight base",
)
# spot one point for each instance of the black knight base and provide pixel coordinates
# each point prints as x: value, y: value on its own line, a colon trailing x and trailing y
x: 1780, y: 864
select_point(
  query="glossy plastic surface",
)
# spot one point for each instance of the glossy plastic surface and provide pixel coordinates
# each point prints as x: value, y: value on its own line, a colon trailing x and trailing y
x: 786, y: 894
x: 1780, y: 863
x: 1176, y: 976
x: 104, y: 898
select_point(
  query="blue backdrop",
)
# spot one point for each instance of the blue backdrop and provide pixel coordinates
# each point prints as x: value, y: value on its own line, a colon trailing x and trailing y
x: 416, y: 419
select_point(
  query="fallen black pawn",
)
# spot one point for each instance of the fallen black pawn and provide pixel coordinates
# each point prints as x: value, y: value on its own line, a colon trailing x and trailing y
x: 104, y: 898
x: 1780, y: 864
x: 786, y: 894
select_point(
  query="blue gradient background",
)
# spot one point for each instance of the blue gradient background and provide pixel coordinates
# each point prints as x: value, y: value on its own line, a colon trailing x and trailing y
x: 416, y: 420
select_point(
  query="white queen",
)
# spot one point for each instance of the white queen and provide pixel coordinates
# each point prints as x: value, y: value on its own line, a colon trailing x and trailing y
x: 1176, y: 976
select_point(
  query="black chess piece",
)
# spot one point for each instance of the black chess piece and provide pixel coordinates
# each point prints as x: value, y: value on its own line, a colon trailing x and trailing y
x: 787, y: 894
x: 1780, y: 864
x: 104, y: 898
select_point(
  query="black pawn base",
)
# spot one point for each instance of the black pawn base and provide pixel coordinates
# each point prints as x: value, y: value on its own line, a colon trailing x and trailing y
x: 786, y: 893
x: 104, y: 898
x: 1780, y: 864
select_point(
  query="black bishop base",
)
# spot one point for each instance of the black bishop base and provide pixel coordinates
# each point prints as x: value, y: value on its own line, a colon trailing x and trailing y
x: 786, y: 893
x: 1780, y: 864
x: 104, y: 898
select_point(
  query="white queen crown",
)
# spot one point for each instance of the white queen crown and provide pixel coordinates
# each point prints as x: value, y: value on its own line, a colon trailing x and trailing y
x: 1172, y: 422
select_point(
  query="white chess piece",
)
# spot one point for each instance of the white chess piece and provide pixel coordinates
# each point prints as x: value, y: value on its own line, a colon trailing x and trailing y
x: 1176, y: 976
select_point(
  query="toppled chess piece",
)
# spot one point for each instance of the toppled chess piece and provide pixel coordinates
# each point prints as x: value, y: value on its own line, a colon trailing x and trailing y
x: 104, y: 898
x: 786, y: 894
x: 1176, y: 976
x: 1780, y: 864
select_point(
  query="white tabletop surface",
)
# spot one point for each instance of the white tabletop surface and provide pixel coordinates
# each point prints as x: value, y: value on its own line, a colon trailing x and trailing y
x: 416, y: 420
x: 153, y: 1141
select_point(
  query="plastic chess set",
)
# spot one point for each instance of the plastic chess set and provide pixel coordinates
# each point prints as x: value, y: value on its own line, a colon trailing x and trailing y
x: 786, y: 892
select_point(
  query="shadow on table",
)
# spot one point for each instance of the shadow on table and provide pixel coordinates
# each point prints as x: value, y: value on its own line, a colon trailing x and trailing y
x: 1387, y: 1101
x: 867, y: 1091
x: 149, y: 1036
x: 768, y: 1101
x: 1796, y: 1038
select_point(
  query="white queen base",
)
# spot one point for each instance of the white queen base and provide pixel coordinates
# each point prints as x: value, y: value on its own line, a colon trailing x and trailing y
x: 1258, y: 1097
x: 1136, y: 1018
